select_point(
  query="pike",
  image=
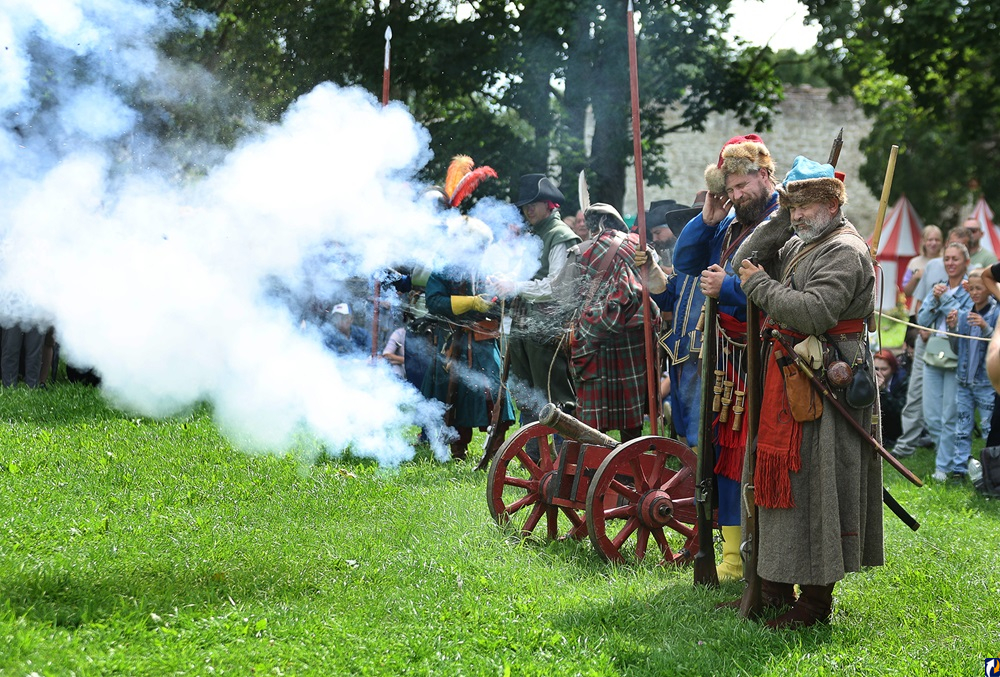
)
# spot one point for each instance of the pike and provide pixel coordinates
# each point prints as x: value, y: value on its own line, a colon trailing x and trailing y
x: 838, y: 143
x: 652, y: 372
x: 750, y: 602
x: 884, y: 200
x: 377, y: 288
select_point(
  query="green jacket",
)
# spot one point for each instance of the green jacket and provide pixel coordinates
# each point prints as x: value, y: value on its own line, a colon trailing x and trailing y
x: 552, y: 230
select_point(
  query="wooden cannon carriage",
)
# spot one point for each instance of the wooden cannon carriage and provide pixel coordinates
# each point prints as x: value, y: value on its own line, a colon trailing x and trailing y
x: 618, y: 494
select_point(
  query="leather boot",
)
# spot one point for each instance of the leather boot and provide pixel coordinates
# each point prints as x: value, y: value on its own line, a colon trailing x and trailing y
x: 731, y: 568
x: 460, y: 447
x: 813, y: 606
x: 773, y: 597
x: 777, y: 595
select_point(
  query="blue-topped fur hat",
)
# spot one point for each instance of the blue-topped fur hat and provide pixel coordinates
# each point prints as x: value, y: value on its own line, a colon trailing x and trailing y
x: 809, y: 181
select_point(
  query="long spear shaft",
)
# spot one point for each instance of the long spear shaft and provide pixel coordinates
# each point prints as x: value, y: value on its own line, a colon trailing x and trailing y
x: 377, y: 290
x: 652, y: 374
x: 884, y: 201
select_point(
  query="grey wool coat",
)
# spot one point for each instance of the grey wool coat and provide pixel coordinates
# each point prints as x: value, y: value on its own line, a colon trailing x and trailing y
x: 836, y: 524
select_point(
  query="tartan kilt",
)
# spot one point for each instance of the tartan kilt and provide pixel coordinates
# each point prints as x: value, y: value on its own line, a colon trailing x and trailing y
x: 611, y: 381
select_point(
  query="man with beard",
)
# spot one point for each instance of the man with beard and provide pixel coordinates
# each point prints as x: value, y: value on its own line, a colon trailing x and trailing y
x: 538, y: 365
x: 818, y: 483
x: 740, y: 196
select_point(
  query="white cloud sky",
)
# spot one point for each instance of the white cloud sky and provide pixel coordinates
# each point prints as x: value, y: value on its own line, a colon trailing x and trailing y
x: 774, y: 22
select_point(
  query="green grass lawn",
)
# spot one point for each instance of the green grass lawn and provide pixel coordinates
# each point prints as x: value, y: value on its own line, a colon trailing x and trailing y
x: 151, y: 547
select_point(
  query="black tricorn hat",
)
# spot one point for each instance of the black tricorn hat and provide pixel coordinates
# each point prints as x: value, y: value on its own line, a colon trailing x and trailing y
x: 670, y: 214
x: 537, y: 188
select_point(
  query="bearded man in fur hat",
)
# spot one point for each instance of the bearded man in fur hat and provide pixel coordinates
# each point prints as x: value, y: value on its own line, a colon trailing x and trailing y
x: 818, y: 483
x: 740, y: 196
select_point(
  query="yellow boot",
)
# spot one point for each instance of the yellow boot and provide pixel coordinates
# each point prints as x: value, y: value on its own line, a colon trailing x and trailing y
x: 731, y: 568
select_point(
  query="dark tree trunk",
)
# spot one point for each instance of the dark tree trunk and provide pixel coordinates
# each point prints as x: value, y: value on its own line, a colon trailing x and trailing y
x: 612, y: 139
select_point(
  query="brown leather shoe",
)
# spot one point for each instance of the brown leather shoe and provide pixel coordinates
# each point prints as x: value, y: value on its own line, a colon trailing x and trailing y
x: 813, y: 606
x: 773, y: 597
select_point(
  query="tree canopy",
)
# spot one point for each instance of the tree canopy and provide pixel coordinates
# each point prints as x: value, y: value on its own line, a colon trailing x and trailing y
x: 520, y: 86
x: 926, y: 73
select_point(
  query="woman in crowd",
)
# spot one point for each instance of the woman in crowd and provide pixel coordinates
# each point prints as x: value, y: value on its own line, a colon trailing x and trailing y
x: 973, y: 390
x: 892, y: 381
x: 930, y: 248
x: 940, y: 361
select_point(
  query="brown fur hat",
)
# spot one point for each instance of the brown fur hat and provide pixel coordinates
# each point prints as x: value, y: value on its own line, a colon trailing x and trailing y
x: 809, y: 181
x: 740, y: 155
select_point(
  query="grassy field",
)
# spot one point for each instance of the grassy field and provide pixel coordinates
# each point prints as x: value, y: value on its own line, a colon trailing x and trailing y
x: 151, y: 547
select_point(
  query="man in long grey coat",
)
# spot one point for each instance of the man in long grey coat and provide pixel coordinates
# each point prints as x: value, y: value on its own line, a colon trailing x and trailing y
x: 818, y: 484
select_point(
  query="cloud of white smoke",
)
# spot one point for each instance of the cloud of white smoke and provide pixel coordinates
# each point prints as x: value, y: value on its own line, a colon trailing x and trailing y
x: 181, y: 291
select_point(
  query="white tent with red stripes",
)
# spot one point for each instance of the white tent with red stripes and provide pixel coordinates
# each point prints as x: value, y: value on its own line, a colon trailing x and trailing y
x: 900, y: 242
x: 991, y: 237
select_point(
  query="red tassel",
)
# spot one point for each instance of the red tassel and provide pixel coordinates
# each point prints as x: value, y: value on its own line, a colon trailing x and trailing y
x: 772, y: 483
x: 732, y: 449
x: 779, y: 439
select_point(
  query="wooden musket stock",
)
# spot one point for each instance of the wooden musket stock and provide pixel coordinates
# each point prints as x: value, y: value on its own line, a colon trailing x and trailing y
x: 750, y: 604
x: 705, y: 572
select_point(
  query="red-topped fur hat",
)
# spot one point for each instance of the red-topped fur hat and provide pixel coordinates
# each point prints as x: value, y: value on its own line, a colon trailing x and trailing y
x: 739, y: 155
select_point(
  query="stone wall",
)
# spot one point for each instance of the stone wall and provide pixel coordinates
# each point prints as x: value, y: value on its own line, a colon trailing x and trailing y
x: 805, y: 124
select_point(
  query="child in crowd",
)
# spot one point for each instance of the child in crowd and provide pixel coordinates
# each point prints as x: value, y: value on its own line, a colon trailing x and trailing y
x: 973, y: 389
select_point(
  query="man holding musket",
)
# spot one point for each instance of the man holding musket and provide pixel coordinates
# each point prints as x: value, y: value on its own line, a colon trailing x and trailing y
x: 817, y: 481
x: 538, y: 353
x: 740, y: 196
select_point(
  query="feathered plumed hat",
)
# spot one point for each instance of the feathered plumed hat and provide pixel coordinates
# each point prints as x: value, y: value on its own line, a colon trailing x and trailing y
x: 739, y: 155
x: 462, y: 179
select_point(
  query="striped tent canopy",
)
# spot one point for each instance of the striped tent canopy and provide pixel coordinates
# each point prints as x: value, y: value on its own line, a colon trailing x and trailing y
x: 900, y: 242
x: 991, y: 239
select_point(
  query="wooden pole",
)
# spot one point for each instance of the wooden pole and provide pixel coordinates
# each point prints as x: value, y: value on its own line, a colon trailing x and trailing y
x: 884, y: 200
x: 652, y: 373
x: 377, y: 288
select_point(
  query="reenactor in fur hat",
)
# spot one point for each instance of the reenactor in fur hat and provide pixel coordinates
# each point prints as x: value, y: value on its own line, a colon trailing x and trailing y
x: 741, y: 194
x: 817, y: 481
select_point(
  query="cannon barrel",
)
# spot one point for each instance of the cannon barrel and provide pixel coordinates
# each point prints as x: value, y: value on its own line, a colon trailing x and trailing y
x: 573, y: 428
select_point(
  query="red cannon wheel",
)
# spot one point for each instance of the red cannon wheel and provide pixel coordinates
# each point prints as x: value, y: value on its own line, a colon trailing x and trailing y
x: 515, y: 488
x: 644, y: 488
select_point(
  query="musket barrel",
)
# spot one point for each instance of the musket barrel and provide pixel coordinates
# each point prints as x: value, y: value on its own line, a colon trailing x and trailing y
x: 573, y: 428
